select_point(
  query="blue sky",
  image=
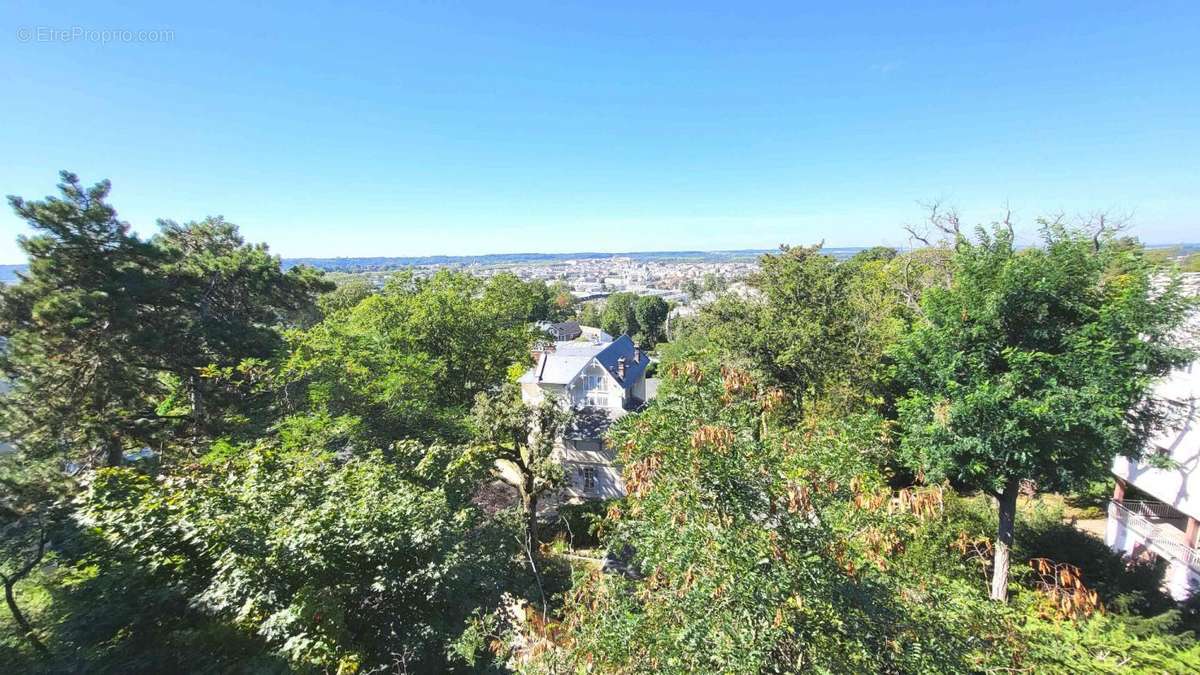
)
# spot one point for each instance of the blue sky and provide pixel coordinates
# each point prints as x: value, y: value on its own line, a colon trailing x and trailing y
x: 465, y: 128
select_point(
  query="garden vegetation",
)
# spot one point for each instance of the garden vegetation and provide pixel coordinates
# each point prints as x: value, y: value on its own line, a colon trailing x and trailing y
x: 224, y: 466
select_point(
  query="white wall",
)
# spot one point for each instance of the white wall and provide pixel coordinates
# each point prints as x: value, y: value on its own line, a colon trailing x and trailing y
x: 1180, y: 580
x: 1178, y: 486
x: 532, y: 394
x: 610, y: 394
x: 579, y: 456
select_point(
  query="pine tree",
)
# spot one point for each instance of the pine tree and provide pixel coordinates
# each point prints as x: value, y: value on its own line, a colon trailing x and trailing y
x: 79, y: 323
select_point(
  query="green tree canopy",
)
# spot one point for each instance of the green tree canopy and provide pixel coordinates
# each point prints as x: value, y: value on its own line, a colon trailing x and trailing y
x: 369, y: 564
x: 548, y: 302
x: 409, y: 360
x: 729, y: 527
x: 109, y: 335
x: 227, y: 302
x: 519, y: 440
x: 620, y: 315
x: 651, y: 314
x: 85, y: 328
x: 562, y: 302
x: 1035, y: 364
x: 817, y: 327
x: 348, y: 291
x: 590, y: 314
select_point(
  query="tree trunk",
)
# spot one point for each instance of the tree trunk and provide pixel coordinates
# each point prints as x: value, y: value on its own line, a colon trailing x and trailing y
x: 114, y: 454
x: 19, y: 617
x: 197, y: 395
x: 1004, y: 540
x: 530, y: 504
x: 10, y: 597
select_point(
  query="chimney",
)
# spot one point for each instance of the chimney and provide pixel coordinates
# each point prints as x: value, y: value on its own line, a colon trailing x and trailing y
x: 637, y: 355
x: 621, y: 367
x: 541, y: 354
x: 542, y: 347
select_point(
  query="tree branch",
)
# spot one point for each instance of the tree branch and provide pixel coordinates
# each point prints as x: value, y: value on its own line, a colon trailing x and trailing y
x: 10, y: 597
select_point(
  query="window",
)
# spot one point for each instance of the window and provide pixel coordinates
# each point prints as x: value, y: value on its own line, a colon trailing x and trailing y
x: 587, y: 445
x: 595, y: 393
x: 587, y: 476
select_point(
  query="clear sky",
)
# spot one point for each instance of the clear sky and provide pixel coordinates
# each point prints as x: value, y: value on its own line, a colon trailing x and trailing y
x: 464, y: 128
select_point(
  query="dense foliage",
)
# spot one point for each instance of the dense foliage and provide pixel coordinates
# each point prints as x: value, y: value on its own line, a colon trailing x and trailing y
x: 741, y: 570
x: 764, y: 549
x: 409, y: 360
x: 1034, y: 365
x: 108, y: 334
x: 343, y: 478
x: 815, y: 327
x: 371, y: 562
x: 78, y: 326
x: 641, y: 317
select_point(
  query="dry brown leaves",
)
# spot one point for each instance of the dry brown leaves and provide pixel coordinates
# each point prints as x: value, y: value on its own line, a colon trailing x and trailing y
x: 923, y: 502
x: 688, y: 370
x: 640, y: 475
x: 737, y: 382
x: 772, y: 399
x: 799, y: 498
x: 978, y: 549
x: 712, y: 436
x: 614, y: 513
x: 841, y: 555
x: 1063, y: 584
x: 941, y: 413
x: 880, y: 544
x: 866, y: 500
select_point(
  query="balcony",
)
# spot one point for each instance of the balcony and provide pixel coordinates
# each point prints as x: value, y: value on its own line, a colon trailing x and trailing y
x: 1158, y: 527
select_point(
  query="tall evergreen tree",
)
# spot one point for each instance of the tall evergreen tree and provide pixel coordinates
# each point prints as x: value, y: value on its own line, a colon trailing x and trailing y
x: 228, y: 299
x: 79, y: 324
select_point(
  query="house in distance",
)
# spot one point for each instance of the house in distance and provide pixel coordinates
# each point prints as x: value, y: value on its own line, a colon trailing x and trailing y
x: 600, y: 381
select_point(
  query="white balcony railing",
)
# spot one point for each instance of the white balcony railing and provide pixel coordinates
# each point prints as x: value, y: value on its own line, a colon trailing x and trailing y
x: 1163, y: 539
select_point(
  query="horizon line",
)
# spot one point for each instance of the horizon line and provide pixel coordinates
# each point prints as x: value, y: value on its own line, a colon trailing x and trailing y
x: 613, y: 254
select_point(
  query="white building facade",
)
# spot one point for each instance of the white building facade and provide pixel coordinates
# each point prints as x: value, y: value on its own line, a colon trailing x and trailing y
x: 1156, y: 511
x: 600, y: 382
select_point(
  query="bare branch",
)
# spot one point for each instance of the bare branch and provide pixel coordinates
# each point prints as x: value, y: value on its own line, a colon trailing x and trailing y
x: 912, y: 233
x: 10, y: 599
x: 1104, y: 225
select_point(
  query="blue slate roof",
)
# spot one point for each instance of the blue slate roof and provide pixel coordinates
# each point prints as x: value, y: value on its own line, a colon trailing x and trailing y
x: 635, y: 362
x: 565, y: 363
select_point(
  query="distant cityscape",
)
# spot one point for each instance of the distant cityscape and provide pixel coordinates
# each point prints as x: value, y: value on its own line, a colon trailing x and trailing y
x: 669, y: 274
x: 589, y: 275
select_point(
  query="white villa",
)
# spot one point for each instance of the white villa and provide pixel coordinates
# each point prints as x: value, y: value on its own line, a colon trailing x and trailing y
x: 600, y: 381
x: 1156, y: 512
